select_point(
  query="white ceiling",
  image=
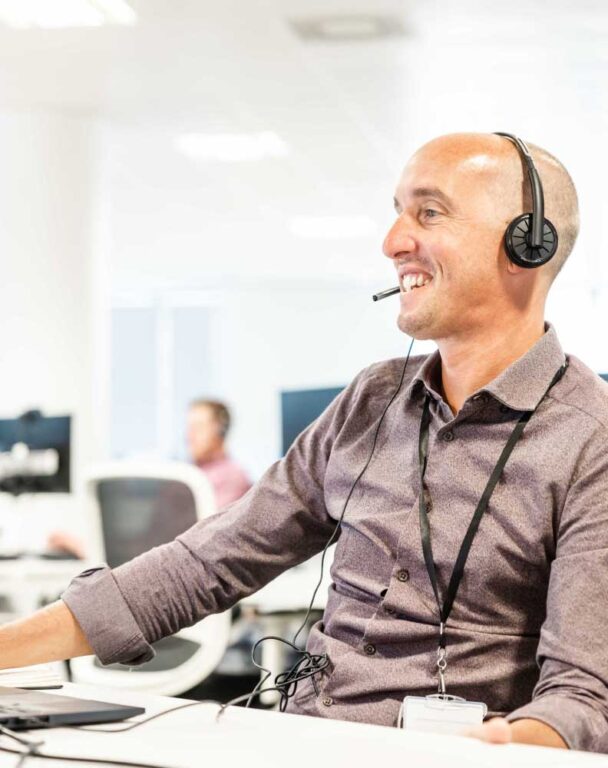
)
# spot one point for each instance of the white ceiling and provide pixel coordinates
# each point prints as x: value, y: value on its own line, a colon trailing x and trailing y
x: 350, y: 111
x: 239, y: 63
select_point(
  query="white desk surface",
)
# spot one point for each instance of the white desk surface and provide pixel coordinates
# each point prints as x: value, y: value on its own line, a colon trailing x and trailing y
x: 192, y: 738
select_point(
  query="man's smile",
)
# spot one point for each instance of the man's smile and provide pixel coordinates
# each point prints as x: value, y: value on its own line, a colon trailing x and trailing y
x: 413, y: 276
x: 414, y: 280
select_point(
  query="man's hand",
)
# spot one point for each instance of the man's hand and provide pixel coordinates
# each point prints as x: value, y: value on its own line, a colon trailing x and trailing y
x: 494, y: 731
x: 525, y: 731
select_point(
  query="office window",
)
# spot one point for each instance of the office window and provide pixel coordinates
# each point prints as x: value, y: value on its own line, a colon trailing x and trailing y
x: 134, y: 368
x: 162, y: 358
x: 194, y: 365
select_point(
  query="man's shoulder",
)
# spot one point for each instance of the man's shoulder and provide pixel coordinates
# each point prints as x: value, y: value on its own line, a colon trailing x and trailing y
x: 365, y: 398
x: 585, y: 391
x: 384, y: 376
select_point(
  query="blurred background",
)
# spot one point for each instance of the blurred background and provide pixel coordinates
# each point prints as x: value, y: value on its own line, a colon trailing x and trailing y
x: 193, y: 197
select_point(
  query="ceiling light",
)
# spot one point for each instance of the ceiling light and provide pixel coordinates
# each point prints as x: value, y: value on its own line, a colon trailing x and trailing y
x: 61, y: 14
x: 333, y: 227
x: 231, y: 147
x: 347, y: 27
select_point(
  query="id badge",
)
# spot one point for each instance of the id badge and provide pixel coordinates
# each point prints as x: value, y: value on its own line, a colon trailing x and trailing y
x: 441, y: 713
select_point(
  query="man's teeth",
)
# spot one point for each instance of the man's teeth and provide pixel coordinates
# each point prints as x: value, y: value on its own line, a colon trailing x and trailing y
x: 415, y: 281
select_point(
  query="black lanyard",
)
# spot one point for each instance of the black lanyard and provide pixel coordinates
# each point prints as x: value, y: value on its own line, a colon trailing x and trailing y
x: 482, y: 505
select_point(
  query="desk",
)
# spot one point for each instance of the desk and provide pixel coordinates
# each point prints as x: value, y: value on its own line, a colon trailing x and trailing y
x: 191, y: 738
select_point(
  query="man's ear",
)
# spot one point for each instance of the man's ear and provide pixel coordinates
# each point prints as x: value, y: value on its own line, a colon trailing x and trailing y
x: 514, y: 269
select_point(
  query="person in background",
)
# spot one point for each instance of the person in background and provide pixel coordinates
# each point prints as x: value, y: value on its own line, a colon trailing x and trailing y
x: 208, y: 424
x: 66, y: 543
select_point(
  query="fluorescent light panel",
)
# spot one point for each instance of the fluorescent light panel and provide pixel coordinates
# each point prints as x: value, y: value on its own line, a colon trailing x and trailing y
x: 347, y: 27
x: 62, y: 14
x: 332, y: 227
x: 231, y: 147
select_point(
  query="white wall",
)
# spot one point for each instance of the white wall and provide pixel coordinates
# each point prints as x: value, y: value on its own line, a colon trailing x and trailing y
x: 47, y: 195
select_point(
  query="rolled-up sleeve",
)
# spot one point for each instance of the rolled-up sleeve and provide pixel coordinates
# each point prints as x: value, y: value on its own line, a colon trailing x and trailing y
x: 106, y: 618
x: 279, y: 523
x: 571, y: 695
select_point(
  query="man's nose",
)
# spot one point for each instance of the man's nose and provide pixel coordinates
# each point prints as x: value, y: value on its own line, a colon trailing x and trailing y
x: 399, y: 239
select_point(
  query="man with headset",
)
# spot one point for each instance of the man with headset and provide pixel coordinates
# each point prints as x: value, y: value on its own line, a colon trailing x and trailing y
x: 471, y: 487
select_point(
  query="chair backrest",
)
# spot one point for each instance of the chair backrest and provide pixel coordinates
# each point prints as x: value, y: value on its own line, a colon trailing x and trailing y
x: 137, y: 505
x: 134, y: 506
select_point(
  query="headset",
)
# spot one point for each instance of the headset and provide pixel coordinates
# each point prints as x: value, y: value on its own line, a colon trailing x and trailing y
x: 530, y: 239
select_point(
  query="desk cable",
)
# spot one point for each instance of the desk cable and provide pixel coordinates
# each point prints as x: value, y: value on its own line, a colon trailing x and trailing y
x: 137, y: 723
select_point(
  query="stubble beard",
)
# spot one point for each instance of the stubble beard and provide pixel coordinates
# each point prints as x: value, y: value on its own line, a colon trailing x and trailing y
x: 420, y: 326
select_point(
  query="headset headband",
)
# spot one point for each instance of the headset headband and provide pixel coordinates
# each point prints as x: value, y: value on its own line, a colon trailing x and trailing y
x: 530, y: 239
x: 538, y: 198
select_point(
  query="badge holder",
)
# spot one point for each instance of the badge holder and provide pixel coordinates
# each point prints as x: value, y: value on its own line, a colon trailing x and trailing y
x: 440, y: 712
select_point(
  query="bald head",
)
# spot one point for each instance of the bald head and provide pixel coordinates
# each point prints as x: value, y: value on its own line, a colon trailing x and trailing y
x: 496, y: 162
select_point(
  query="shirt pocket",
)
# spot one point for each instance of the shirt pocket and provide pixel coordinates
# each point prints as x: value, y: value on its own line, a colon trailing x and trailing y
x: 362, y: 561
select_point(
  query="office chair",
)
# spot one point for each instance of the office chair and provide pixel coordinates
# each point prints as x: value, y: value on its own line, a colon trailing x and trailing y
x: 132, y: 507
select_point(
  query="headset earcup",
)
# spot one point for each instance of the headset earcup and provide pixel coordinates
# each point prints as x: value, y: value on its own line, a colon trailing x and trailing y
x: 517, y: 244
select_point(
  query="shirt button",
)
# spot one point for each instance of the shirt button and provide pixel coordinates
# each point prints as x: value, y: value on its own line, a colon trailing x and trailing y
x: 390, y: 611
x: 403, y: 575
x: 327, y: 701
x: 369, y: 649
x: 448, y: 436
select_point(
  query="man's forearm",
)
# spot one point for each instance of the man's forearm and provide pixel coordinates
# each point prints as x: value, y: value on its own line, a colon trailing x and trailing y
x: 50, y: 634
x: 528, y: 731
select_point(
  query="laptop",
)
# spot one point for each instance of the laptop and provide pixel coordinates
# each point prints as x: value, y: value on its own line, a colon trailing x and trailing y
x: 21, y: 710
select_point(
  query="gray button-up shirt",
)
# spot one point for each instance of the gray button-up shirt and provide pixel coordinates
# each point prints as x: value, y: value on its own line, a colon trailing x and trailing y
x: 528, y: 630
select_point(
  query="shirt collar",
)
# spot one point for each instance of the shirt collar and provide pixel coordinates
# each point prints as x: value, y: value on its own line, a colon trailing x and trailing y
x: 520, y: 386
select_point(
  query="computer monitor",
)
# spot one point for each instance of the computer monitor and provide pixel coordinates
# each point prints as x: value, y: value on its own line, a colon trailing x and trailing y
x: 35, y: 454
x: 299, y: 408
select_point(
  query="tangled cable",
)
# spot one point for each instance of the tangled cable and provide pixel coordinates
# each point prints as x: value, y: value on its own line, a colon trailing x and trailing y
x: 285, y: 683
